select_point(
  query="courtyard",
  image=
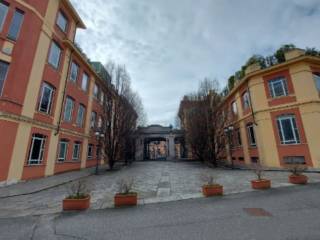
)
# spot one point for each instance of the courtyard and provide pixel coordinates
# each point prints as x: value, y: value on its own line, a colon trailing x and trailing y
x: 155, y: 182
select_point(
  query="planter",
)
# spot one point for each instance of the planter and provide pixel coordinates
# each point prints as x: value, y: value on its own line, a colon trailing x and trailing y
x: 121, y: 200
x: 298, y: 179
x: 261, y: 184
x: 212, y: 190
x: 76, y: 204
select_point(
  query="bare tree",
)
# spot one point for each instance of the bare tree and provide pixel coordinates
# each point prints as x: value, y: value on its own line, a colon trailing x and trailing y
x: 202, y: 121
x: 121, y: 114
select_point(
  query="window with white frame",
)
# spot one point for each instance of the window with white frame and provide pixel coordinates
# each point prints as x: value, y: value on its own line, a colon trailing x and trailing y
x: 62, y: 21
x: 234, y: 108
x: 317, y: 80
x: 90, y: 151
x: 63, y: 148
x: 99, y: 122
x: 76, y: 151
x: 74, y: 72
x: 246, y: 100
x: 101, y: 98
x: 46, y: 98
x: 93, y: 119
x: 278, y: 87
x: 288, y: 130
x: 54, y: 55
x: 95, y: 91
x: 36, y: 151
x: 80, y: 115
x: 3, y: 74
x: 16, y: 24
x: 68, y: 109
x: 85, y: 82
x: 251, y: 135
x: 3, y: 13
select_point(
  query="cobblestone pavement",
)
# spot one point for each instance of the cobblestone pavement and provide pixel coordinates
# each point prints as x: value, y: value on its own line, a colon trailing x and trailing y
x: 154, y: 182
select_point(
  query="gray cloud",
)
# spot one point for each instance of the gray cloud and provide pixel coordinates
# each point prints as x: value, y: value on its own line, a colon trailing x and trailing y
x: 169, y: 46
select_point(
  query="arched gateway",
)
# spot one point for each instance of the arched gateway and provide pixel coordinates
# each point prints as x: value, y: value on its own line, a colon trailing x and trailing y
x: 156, y: 142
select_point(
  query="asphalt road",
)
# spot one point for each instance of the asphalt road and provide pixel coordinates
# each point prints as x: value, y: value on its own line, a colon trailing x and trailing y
x: 290, y: 213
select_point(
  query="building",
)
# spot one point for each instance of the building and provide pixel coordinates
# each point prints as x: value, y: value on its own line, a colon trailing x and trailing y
x: 274, y: 113
x: 51, y: 97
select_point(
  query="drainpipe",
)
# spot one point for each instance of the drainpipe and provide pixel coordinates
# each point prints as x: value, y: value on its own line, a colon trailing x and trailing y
x: 64, y: 95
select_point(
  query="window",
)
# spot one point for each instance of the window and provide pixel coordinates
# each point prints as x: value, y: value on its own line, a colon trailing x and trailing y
x: 85, y: 81
x: 288, y: 130
x: 62, y: 21
x: 3, y: 74
x: 90, y: 151
x: 3, y: 13
x: 63, y: 147
x: 54, y: 55
x: 251, y: 135
x: 101, y: 98
x: 68, y: 109
x: 95, y: 91
x: 241, y: 159
x: 254, y: 159
x: 46, y: 98
x: 74, y: 72
x: 37, y: 149
x: 294, y: 160
x: 93, y: 119
x: 15, y: 25
x: 278, y: 87
x: 234, y: 108
x: 80, y: 115
x: 100, y: 122
x: 317, y: 79
x: 246, y: 100
x: 76, y: 151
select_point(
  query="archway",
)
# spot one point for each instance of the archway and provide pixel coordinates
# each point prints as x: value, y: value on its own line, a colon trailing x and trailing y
x: 155, y: 148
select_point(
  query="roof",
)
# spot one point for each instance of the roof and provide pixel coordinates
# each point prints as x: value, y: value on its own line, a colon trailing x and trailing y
x: 69, y: 6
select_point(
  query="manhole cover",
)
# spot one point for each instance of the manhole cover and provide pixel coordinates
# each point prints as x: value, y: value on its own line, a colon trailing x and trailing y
x: 257, y: 212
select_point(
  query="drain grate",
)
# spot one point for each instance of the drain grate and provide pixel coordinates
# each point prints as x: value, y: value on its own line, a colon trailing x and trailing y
x: 257, y: 212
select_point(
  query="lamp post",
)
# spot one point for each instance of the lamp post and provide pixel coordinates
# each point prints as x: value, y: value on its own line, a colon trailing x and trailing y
x: 228, y: 131
x: 99, y: 136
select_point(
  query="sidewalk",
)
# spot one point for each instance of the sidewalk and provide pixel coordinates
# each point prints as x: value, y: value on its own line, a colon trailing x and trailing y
x: 38, y: 185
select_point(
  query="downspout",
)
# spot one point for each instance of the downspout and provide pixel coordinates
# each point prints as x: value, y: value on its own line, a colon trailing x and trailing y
x: 64, y: 95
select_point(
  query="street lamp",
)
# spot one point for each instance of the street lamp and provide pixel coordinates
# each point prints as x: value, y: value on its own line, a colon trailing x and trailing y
x: 99, y: 135
x: 228, y: 131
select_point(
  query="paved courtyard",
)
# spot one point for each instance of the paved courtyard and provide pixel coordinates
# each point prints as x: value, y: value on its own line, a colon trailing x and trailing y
x: 154, y: 182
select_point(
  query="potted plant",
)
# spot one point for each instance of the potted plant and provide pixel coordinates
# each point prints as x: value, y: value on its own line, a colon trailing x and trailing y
x: 296, y: 176
x: 210, y: 188
x: 78, y: 198
x: 125, y: 195
x: 259, y: 183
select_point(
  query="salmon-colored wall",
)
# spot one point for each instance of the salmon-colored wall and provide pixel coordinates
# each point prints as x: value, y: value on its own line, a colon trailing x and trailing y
x: 20, y: 68
x: 8, y: 131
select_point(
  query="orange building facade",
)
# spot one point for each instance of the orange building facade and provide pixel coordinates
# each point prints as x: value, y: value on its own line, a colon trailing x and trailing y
x: 51, y: 98
x: 273, y: 114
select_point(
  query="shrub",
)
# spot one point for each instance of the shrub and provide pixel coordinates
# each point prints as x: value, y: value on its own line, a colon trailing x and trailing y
x: 78, y: 190
x: 125, y: 185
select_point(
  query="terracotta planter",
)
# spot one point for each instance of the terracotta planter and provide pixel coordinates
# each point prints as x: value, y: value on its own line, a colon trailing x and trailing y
x: 76, y: 204
x: 125, y: 199
x: 298, y: 179
x: 212, y: 190
x: 261, y: 184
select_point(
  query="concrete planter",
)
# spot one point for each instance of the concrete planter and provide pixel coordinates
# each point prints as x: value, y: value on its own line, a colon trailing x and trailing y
x: 212, y: 190
x: 261, y: 184
x: 121, y: 200
x: 76, y: 204
x: 298, y: 179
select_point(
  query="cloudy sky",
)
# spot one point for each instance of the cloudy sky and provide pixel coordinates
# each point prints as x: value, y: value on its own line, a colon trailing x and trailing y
x: 168, y: 46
